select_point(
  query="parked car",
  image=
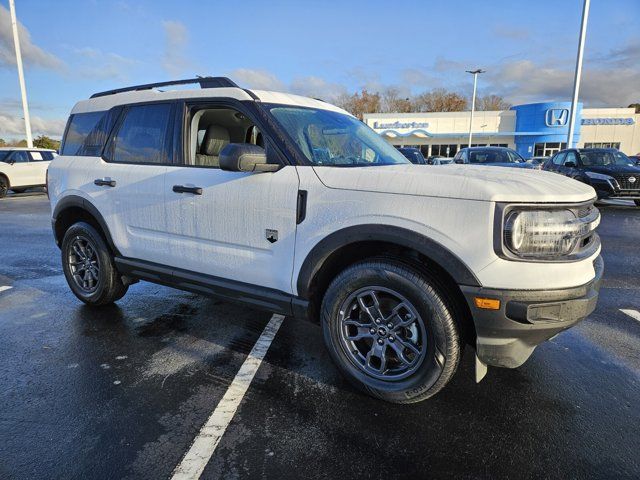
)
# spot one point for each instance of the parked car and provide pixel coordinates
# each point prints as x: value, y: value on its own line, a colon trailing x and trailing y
x: 293, y: 205
x: 635, y: 158
x: 492, y: 156
x: 414, y: 155
x: 610, y: 172
x: 23, y: 168
x: 435, y: 160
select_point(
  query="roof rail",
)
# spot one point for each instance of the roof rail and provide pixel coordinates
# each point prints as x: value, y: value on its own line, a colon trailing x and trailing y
x: 205, y: 82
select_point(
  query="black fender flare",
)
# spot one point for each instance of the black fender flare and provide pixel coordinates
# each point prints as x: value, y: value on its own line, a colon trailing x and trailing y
x: 76, y: 201
x: 431, y: 249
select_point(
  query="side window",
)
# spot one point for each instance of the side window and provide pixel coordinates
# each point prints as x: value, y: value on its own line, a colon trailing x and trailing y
x: 143, y: 135
x: 36, y: 156
x: 514, y: 156
x: 214, y: 127
x: 19, y: 156
x: 80, y: 125
x: 95, y: 140
x: 559, y: 158
x: 571, y: 157
x: 48, y: 156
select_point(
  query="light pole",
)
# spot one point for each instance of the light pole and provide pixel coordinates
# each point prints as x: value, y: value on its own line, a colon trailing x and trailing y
x: 578, y: 74
x: 473, y: 99
x: 23, y: 89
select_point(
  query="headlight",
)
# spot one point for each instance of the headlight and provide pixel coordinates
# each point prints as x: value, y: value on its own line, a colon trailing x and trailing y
x: 598, y: 176
x: 547, y: 233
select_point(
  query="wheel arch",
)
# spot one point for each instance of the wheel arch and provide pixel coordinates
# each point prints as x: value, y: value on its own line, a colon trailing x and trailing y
x: 6, y: 177
x: 353, y: 244
x: 72, y: 209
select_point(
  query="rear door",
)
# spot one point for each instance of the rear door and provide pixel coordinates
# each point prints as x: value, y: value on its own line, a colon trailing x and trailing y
x: 39, y: 165
x: 131, y: 180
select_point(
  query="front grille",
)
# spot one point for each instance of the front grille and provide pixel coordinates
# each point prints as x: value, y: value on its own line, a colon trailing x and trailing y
x: 625, y: 183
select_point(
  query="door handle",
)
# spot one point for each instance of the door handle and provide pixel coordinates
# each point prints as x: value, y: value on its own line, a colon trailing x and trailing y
x: 104, y: 182
x: 183, y: 189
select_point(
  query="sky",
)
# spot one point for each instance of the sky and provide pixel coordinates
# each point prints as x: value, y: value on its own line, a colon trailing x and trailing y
x: 72, y: 49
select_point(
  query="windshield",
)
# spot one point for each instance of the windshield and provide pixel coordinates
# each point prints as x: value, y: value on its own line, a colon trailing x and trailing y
x: 491, y: 156
x: 4, y: 154
x: 603, y: 158
x: 333, y: 139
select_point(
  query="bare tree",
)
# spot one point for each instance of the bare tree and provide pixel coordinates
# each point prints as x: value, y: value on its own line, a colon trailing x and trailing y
x: 360, y: 103
x: 392, y: 102
x: 440, y: 100
x: 492, y: 102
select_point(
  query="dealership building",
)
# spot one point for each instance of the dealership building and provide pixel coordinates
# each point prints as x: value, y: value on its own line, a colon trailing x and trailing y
x: 535, y: 129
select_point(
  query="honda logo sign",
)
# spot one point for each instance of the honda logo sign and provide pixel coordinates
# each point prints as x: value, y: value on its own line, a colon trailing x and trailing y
x: 557, y: 117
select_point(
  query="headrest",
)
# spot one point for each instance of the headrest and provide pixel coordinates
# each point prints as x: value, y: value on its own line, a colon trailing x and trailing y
x: 215, y: 138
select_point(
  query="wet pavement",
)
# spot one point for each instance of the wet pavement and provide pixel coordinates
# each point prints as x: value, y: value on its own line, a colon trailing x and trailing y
x: 122, y: 392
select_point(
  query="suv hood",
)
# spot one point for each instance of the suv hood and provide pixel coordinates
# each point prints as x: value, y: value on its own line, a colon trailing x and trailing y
x: 613, y: 169
x: 469, y: 182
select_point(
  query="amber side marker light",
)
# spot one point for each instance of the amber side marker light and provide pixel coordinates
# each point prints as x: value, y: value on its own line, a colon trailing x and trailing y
x: 487, y: 303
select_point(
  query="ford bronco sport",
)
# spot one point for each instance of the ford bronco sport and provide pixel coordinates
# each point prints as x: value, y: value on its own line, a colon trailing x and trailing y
x: 292, y: 205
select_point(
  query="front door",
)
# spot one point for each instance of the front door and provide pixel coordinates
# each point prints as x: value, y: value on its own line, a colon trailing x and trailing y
x: 21, y: 172
x: 234, y: 225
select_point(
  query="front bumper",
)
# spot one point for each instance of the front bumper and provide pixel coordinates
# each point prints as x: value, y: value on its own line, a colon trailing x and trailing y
x: 506, y: 337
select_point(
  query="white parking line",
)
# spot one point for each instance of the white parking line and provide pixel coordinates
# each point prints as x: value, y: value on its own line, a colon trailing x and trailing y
x: 632, y: 313
x: 4, y: 288
x: 207, y: 440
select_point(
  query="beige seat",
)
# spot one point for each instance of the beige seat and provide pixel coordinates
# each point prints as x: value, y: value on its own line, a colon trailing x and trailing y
x: 215, y: 139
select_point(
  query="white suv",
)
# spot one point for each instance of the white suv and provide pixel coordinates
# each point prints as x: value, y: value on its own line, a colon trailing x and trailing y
x: 292, y: 205
x: 23, y: 168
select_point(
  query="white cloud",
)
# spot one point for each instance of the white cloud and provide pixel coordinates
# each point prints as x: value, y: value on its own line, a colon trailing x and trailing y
x: 317, y: 87
x: 98, y: 65
x: 174, y: 60
x: 31, y: 53
x: 258, y: 79
x: 12, y: 126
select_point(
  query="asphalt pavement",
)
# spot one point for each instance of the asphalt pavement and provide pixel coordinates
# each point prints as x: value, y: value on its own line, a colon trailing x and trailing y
x: 123, y: 391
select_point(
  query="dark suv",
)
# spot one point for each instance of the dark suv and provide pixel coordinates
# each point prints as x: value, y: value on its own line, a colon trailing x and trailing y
x: 611, y: 173
x: 492, y: 157
x: 413, y: 155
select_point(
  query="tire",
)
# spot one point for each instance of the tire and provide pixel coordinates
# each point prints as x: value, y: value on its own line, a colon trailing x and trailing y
x: 425, y: 322
x: 88, y: 266
x: 4, y: 186
x: 637, y: 203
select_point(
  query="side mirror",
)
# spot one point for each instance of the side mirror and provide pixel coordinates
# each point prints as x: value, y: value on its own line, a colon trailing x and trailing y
x: 570, y: 164
x: 245, y: 157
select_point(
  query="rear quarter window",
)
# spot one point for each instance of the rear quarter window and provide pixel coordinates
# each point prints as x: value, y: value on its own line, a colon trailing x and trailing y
x: 80, y: 126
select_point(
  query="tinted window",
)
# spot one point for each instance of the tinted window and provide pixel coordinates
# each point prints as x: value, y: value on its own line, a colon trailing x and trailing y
x: 4, y: 154
x: 571, y: 157
x: 19, y: 157
x: 80, y: 125
x: 515, y: 156
x: 602, y: 158
x: 142, y: 136
x: 559, y: 158
x: 95, y: 140
x: 489, y: 156
x: 47, y: 156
